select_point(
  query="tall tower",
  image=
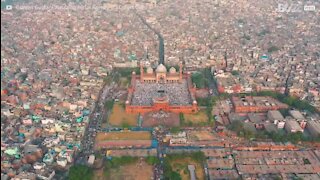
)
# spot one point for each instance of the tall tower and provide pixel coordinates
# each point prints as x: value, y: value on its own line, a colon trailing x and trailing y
x: 180, y: 71
x: 133, y: 79
x: 141, y: 72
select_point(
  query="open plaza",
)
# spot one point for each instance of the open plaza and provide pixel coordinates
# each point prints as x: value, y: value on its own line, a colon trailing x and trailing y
x: 123, y: 139
x: 145, y: 93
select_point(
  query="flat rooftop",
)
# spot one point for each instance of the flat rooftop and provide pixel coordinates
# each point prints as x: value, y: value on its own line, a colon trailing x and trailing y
x: 262, y: 101
x: 145, y: 93
x: 266, y: 162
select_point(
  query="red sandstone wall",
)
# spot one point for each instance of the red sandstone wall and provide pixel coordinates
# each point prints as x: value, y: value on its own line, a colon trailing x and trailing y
x: 164, y: 107
x: 175, y: 109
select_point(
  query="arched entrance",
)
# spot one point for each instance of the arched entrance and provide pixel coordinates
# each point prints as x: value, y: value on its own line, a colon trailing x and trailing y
x: 161, y: 79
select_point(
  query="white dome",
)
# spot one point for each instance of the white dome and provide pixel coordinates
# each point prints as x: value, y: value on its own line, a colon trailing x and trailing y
x: 149, y: 70
x: 161, y: 69
x: 172, y: 70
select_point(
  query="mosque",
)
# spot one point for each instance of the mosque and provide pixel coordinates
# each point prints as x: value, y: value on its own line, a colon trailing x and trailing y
x: 161, y: 75
x: 161, y: 90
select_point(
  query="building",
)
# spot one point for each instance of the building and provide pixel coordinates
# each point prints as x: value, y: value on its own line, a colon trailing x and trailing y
x: 276, y: 118
x: 272, y: 162
x: 223, y: 174
x: 256, y: 104
x: 160, y: 75
x: 227, y: 83
x: 91, y: 159
x: 180, y: 138
x: 296, y: 115
x: 299, y: 117
x: 221, y: 163
x: 257, y: 120
x: 161, y: 90
x: 292, y: 126
x: 192, y: 172
x: 131, y: 64
x: 61, y: 161
x: 314, y: 128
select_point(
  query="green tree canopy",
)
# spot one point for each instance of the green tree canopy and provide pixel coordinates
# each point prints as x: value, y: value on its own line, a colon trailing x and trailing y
x: 80, y: 172
x: 235, y: 73
x: 199, y: 79
x: 273, y: 49
x: 109, y: 104
x: 152, y: 160
x: 291, y: 101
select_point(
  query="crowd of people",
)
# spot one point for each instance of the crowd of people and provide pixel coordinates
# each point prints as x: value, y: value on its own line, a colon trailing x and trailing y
x: 145, y: 93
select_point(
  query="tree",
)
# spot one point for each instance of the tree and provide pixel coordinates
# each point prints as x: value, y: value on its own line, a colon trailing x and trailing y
x: 263, y: 32
x: 108, y: 80
x: 169, y: 174
x: 126, y: 72
x: 23, y: 77
x: 116, y: 162
x: 65, y: 82
x: 125, y: 125
x: 247, y: 37
x: 306, y: 161
x: 284, y: 112
x: 277, y: 178
x: 199, y: 80
x: 175, y: 176
x: 80, y: 172
x: 273, y: 49
x: 109, y: 104
x: 182, y: 119
x: 151, y: 160
x: 198, y: 156
x: 236, y: 126
x: 203, y: 101
x: 295, y: 137
x: 235, y: 73
x: 175, y: 130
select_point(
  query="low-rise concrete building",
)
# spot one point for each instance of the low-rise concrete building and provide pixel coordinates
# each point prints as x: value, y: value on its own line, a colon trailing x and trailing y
x: 313, y: 128
x: 296, y: 115
x: 275, y: 116
x: 192, y: 169
x: 292, y: 126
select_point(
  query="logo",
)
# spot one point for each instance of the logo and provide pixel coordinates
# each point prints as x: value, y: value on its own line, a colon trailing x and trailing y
x: 293, y: 8
x: 309, y: 8
x: 287, y: 8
